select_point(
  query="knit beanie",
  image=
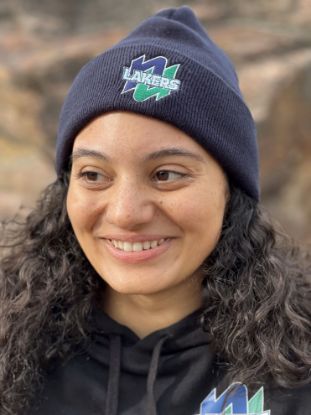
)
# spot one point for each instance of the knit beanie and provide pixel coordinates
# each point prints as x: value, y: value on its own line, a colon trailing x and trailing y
x: 170, y: 69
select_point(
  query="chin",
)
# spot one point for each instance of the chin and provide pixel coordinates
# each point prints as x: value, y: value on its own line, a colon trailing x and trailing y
x: 138, y: 287
x: 135, y: 281
x: 135, y: 290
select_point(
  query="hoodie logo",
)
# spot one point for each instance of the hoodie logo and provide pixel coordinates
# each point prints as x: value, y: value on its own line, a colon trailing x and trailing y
x: 234, y: 401
x: 150, y: 78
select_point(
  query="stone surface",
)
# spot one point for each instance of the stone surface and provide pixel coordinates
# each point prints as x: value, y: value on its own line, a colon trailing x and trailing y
x: 286, y: 154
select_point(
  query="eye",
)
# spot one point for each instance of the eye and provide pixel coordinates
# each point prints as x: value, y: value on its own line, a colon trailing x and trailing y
x: 168, y: 175
x: 94, y: 179
x: 91, y: 176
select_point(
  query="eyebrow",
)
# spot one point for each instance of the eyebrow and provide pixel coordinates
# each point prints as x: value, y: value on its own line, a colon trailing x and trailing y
x: 173, y: 151
x: 165, y: 152
x: 84, y: 152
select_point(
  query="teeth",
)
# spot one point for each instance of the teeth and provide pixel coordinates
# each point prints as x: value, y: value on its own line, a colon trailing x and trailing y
x: 146, y: 245
x: 136, y: 246
x: 127, y: 246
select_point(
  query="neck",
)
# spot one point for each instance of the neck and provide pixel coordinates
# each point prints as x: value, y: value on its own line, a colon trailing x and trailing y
x: 146, y: 313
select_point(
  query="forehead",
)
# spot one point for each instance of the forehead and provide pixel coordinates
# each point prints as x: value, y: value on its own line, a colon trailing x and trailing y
x: 124, y: 131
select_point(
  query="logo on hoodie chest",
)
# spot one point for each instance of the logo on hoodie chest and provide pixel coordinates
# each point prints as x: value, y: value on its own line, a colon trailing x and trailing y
x: 150, y: 78
x: 234, y: 401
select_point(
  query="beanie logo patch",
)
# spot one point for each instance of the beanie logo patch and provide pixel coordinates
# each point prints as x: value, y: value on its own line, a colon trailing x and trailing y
x: 150, y: 78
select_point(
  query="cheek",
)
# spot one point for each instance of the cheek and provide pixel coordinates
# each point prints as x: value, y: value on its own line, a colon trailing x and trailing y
x: 206, y: 229
x: 81, y: 211
x: 202, y: 225
x: 196, y: 211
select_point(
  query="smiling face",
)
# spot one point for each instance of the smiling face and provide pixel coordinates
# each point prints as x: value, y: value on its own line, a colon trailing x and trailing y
x: 145, y: 201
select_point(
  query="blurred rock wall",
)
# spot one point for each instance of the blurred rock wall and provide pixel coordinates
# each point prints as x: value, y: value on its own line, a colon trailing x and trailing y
x: 43, y: 44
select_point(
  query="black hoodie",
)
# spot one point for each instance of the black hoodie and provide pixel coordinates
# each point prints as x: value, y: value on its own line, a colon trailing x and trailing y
x: 172, y: 371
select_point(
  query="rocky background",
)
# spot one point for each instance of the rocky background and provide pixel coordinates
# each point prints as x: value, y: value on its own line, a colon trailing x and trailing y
x: 44, y: 43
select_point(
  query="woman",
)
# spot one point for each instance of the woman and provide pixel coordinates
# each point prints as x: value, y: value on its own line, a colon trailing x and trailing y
x: 148, y: 279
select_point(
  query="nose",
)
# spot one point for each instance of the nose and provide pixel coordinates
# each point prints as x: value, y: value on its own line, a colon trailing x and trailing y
x: 130, y: 205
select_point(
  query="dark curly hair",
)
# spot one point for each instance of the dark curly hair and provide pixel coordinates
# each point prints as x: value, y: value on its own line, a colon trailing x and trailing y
x: 256, y: 289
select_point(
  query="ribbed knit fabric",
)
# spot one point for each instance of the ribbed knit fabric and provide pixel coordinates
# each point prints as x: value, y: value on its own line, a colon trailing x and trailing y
x: 170, y: 69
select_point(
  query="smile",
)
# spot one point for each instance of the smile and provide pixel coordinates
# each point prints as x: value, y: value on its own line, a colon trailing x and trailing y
x: 127, y: 246
x: 134, y: 252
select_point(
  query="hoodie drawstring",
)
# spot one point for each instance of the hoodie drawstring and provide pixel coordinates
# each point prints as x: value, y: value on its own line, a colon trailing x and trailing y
x: 152, y: 375
x: 114, y: 376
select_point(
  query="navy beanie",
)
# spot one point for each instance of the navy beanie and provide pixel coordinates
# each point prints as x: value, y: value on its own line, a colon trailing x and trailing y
x: 168, y: 68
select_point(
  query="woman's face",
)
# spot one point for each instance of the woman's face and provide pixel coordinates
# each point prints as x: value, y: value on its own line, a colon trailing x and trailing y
x: 146, y: 202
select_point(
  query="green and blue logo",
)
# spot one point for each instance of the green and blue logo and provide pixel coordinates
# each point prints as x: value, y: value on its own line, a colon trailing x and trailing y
x: 234, y: 401
x: 150, y: 78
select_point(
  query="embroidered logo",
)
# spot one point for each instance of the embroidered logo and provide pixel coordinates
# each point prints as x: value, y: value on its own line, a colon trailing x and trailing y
x: 150, y: 78
x: 234, y: 401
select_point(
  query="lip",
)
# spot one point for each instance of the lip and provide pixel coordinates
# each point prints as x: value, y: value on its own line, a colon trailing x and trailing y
x: 137, y: 257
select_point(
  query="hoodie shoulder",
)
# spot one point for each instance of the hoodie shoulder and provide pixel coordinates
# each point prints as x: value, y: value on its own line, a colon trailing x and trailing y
x: 295, y: 401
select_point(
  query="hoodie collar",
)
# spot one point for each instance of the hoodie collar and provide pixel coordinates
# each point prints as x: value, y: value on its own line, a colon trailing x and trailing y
x: 143, y: 355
